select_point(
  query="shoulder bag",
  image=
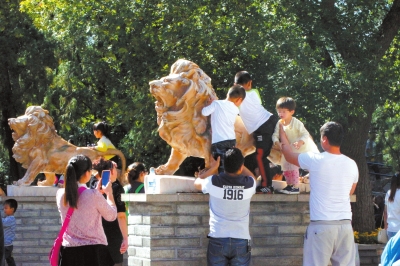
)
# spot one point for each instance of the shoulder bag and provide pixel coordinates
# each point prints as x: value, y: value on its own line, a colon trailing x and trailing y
x: 54, y: 255
x: 382, y: 234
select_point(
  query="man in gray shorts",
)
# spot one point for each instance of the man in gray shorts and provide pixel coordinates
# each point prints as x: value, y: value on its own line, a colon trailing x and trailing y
x: 333, y: 178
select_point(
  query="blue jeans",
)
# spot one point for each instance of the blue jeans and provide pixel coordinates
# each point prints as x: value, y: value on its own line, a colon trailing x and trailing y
x: 228, y: 251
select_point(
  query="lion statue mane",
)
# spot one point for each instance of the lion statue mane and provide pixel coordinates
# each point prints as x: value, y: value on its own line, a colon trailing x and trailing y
x: 40, y: 150
x: 180, y: 97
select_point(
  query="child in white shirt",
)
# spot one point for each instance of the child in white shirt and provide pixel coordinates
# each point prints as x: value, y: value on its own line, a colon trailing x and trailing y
x: 299, y: 139
x: 223, y: 116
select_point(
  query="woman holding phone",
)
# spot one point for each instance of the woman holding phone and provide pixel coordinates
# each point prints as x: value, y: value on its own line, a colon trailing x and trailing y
x: 117, y: 230
x: 84, y: 241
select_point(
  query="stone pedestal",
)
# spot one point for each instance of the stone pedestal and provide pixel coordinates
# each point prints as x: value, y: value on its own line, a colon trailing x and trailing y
x: 172, y: 229
x: 170, y: 184
x: 370, y: 254
x: 31, y: 191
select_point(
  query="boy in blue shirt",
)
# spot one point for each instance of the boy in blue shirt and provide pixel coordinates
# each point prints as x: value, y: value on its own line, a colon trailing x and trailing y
x: 9, y: 224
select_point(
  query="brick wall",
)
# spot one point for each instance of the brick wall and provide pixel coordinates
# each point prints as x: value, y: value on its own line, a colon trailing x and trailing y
x: 38, y: 223
x: 172, y: 229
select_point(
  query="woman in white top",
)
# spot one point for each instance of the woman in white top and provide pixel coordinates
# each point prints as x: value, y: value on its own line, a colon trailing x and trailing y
x: 392, y: 207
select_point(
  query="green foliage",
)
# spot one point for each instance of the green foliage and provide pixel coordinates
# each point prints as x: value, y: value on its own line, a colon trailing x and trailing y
x: 337, y: 59
x: 26, y: 70
x: 387, y: 124
x: 4, y: 168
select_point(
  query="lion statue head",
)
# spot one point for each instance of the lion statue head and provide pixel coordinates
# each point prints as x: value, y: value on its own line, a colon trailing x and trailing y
x: 40, y: 150
x: 180, y: 97
x: 34, y: 128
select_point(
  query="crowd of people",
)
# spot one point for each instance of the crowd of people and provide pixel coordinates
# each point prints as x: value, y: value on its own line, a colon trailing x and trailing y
x: 98, y: 235
x: 333, y: 178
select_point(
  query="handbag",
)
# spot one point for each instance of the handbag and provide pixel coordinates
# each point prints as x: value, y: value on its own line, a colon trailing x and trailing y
x: 54, y: 255
x: 382, y: 234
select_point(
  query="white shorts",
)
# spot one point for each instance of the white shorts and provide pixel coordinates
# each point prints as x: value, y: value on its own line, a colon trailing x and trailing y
x: 326, y: 241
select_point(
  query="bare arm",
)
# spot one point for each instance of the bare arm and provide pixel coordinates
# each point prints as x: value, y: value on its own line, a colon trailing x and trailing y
x: 247, y: 172
x: 275, y: 136
x: 290, y: 156
x: 124, y: 230
x: 353, y: 188
x: 385, y: 218
x: 198, y: 184
x: 107, y: 208
x: 213, y: 170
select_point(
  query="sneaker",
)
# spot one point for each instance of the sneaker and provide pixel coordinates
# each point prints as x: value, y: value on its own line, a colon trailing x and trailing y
x: 290, y: 190
x: 286, y: 189
x: 266, y: 190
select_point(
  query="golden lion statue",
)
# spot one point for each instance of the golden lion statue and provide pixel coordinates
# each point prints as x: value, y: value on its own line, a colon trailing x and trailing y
x: 180, y: 97
x: 40, y: 150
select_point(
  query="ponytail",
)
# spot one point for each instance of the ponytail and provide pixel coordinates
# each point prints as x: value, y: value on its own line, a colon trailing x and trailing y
x: 71, y: 187
x: 134, y: 171
x: 394, y: 185
x: 76, y: 168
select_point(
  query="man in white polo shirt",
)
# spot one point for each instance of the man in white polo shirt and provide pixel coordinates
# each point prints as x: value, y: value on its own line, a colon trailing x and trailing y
x: 333, y: 178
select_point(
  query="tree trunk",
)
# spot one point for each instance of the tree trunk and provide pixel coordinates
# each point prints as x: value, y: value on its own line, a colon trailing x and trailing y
x: 355, y: 138
x: 7, y: 112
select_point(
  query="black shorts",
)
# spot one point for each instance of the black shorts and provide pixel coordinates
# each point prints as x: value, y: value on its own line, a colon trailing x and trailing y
x: 90, y: 255
x: 263, y: 134
x: 114, y: 253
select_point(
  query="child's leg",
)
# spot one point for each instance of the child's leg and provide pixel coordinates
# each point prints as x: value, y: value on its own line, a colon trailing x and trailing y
x: 288, y: 177
x: 263, y: 139
x: 8, y: 255
x: 218, y: 149
x: 292, y: 177
x: 263, y: 167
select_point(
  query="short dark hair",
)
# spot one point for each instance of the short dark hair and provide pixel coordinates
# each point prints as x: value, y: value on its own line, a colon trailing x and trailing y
x: 237, y: 91
x: 242, y: 77
x: 333, y: 131
x: 101, y: 164
x: 233, y: 160
x: 286, y: 103
x: 102, y: 127
x: 12, y: 203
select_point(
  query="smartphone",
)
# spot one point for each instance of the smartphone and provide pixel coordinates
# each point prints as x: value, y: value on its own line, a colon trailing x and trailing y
x: 105, y: 177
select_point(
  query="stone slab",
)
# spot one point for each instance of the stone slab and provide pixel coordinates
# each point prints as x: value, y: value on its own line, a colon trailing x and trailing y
x: 304, y: 187
x: 170, y: 184
x: 18, y: 191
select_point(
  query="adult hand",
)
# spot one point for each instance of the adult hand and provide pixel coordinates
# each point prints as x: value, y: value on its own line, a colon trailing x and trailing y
x: 124, y: 246
x: 104, y: 190
x: 108, y: 188
x: 214, y: 164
